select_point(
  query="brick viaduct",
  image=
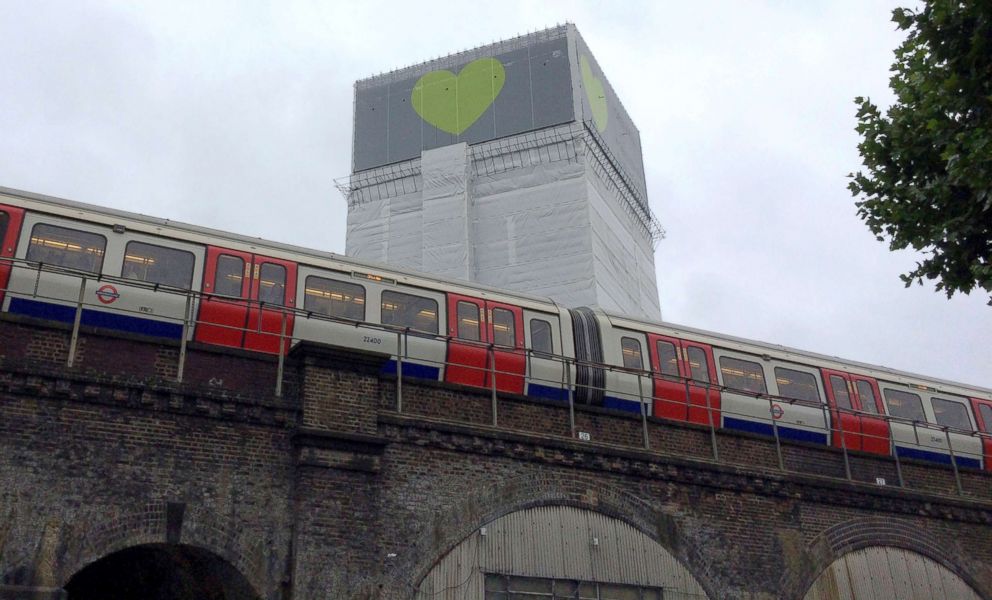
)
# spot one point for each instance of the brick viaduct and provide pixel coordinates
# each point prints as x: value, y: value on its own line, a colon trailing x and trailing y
x: 328, y: 491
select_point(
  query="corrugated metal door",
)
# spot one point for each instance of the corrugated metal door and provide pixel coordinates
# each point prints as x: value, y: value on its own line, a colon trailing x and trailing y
x: 558, y: 542
x: 882, y: 573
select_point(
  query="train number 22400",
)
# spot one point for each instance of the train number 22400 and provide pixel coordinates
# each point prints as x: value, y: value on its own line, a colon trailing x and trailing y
x: 368, y: 339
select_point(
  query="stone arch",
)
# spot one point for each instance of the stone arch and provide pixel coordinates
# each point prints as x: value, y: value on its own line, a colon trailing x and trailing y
x: 861, y: 533
x: 158, y: 523
x: 529, y: 491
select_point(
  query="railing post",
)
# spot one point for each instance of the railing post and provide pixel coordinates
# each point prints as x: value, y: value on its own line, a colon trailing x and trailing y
x: 778, y: 443
x: 282, y: 354
x: 571, y: 396
x: 182, y: 342
x: 37, y: 281
x: 843, y: 442
x: 644, y: 411
x: 709, y: 415
x: 895, y: 453
x: 954, y: 461
x: 492, y: 375
x: 399, y: 372
x: 75, y: 324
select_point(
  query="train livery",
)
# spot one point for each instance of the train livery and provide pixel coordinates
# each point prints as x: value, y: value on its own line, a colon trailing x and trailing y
x: 150, y: 276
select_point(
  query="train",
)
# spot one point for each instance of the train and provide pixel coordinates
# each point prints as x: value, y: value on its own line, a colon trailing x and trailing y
x: 62, y: 260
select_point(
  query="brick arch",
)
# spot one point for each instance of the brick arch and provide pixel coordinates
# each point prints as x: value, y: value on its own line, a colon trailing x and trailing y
x: 528, y: 491
x: 857, y: 534
x: 148, y: 524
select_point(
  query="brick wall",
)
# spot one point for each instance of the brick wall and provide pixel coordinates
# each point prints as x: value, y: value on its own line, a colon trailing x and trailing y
x: 328, y: 491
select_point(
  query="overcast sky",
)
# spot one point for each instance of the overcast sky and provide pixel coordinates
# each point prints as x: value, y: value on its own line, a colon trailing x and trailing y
x: 237, y: 115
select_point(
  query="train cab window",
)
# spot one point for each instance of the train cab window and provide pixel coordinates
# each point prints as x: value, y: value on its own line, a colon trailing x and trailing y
x: 469, y: 327
x: 504, y: 328
x: 699, y: 365
x: 229, y: 276
x: 668, y: 358
x: 540, y: 337
x: 867, y: 395
x: 838, y: 385
x: 951, y: 413
x: 407, y: 310
x: 904, y: 405
x: 66, y: 247
x: 4, y: 219
x: 743, y: 375
x: 272, y: 284
x: 799, y: 385
x: 158, y: 264
x: 631, y: 350
x: 985, y: 411
x: 334, y: 298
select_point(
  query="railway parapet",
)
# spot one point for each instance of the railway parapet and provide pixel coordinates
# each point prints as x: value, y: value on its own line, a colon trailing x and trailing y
x: 344, y: 482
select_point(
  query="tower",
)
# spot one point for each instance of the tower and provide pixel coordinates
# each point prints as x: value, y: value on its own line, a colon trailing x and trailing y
x: 512, y: 165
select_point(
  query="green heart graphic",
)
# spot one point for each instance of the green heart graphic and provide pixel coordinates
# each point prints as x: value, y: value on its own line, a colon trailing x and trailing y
x: 453, y: 102
x: 596, y: 95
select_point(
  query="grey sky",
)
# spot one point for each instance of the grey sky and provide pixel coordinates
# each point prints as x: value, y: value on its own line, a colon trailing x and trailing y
x: 237, y: 115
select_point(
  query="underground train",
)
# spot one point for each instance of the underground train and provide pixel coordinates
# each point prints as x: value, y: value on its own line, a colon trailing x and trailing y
x: 150, y: 276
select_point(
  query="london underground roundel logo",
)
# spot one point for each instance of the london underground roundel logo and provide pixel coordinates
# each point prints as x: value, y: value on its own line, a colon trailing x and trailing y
x: 107, y: 294
x: 777, y: 411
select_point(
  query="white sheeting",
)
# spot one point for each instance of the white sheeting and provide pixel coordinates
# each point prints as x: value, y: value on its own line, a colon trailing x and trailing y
x: 550, y: 228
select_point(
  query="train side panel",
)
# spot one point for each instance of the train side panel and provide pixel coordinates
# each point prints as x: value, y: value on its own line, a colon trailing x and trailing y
x: 626, y: 388
x: 77, y: 255
x: 546, y: 375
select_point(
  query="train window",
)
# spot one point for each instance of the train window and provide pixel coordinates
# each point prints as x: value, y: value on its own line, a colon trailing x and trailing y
x: 334, y: 298
x: 469, y: 327
x: 904, y: 405
x: 668, y: 358
x: 272, y: 284
x: 504, y: 328
x: 407, y: 310
x: 540, y: 336
x: 699, y: 365
x: 4, y: 219
x: 985, y: 411
x: 951, y: 413
x: 867, y: 395
x: 743, y: 375
x: 797, y: 384
x: 631, y: 350
x: 158, y: 264
x: 66, y: 247
x: 839, y: 387
x: 229, y: 275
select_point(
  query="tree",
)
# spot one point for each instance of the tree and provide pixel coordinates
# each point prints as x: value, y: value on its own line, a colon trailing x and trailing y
x: 927, y: 181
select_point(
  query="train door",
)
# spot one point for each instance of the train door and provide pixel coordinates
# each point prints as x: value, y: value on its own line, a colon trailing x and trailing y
x: 242, y: 299
x: 876, y: 437
x: 224, y: 307
x: 704, y: 400
x: 684, y: 391
x: 467, y: 346
x: 844, y: 421
x: 670, y: 391
x: 10, y: 227
x: 983, y: 417
x: 272, y: 285
x: 506, y: 333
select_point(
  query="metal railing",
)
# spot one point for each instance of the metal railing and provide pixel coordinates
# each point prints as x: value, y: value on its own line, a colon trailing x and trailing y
x: 566, y: 382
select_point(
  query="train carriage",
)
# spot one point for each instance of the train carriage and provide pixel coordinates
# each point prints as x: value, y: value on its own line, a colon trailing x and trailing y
x: 61, y: 260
